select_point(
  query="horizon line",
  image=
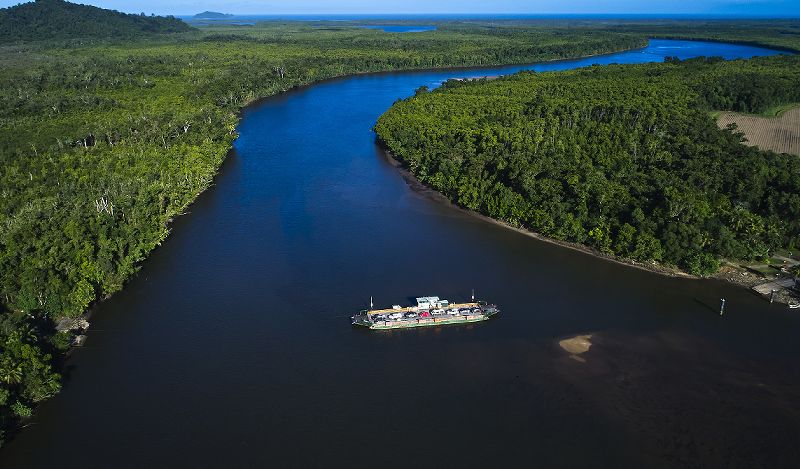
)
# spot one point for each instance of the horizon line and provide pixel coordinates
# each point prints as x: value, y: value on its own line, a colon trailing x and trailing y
x: 721, y: 15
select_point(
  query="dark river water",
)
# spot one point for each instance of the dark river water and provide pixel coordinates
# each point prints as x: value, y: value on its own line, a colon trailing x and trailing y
x: 233, y: 348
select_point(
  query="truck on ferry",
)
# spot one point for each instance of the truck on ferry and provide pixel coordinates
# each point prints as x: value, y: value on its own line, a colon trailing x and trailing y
x: 429, y: 311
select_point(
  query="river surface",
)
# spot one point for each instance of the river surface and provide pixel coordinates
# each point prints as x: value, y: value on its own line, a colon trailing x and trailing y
x: 233, y: 348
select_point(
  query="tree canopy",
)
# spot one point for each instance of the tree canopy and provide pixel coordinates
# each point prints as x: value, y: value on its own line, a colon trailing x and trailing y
x: 624, y: 158
x: 103, y: 142
x: 57, y: 19
x: 212, y: 15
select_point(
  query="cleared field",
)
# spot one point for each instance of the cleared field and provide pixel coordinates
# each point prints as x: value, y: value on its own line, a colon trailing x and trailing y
x: 779, y: 134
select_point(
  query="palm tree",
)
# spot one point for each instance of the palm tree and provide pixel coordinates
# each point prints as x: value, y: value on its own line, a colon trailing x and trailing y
x: 10, y: 373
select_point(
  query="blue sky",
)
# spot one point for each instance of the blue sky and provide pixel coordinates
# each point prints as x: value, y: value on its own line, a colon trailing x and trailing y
x: 703, y: 7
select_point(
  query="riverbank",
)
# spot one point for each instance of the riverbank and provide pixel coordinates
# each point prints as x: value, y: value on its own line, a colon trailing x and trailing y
x: 290, y: 240
x: 175, y: 147
x: 300, y: 85
x: 731, y: 273
x: 196, y: 176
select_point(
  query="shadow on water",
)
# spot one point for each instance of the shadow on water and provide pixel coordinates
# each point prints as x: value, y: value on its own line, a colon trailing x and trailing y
x: 708, y: 306
x: 232, y: 346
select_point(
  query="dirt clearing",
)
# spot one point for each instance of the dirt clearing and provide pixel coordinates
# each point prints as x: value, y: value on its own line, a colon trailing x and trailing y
x: 779, y: 134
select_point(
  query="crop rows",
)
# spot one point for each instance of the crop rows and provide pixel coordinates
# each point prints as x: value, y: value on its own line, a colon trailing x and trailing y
x: 779, y: 134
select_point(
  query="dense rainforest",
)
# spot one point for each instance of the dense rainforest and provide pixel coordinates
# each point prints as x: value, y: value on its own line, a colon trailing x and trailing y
x: 57, y: 19
x: 779, y: 34
x: 108, y: 132
x: 623, y: 158
x: 104, y: 143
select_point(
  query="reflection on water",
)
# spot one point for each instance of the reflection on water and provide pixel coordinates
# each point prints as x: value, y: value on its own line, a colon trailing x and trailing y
x: 233, y: 348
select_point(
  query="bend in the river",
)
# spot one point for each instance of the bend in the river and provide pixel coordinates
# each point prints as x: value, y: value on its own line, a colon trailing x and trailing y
x: 233, y: 348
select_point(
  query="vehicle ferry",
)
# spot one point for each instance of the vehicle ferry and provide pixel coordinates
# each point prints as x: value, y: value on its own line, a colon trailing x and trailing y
x: 429, y: 311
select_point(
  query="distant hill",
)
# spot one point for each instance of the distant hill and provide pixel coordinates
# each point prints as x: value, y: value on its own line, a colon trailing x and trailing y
x: 212, y: 15
x: 57, y: 19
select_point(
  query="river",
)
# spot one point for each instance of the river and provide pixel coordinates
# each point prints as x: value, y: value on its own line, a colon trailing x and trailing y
x: 232, y: 347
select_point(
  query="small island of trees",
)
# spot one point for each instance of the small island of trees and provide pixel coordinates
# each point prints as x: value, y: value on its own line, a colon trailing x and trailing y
x: 212, y: 15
